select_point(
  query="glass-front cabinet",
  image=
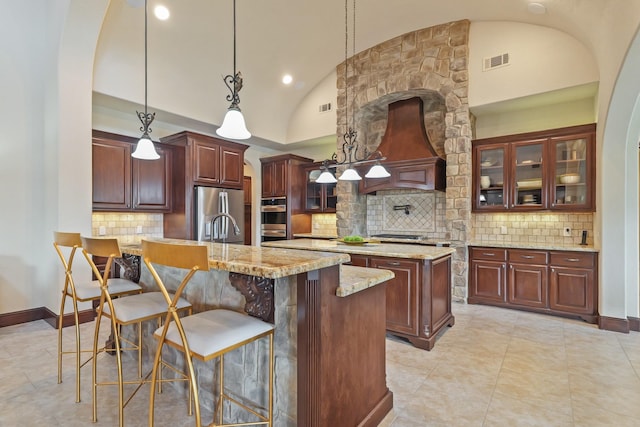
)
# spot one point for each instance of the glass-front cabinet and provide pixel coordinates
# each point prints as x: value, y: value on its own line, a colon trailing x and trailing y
x: 319, y: 198
x: 548, y: 170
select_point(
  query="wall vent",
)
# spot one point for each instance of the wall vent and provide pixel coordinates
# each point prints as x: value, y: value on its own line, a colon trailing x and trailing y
x: 495, y: 62
x: 324, y: 108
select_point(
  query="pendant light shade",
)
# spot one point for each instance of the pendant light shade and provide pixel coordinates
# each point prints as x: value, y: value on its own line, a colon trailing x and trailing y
x: 350, y: 175
x: 233, y: 125
x: 326, y: 177
x: 145, y: 149
x: 377, y: 171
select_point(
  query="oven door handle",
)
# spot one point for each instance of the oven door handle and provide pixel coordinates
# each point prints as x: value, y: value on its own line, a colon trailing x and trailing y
x: 273, y: 208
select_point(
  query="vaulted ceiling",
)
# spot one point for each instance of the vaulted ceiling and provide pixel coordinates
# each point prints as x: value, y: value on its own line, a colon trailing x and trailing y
x: 191, y: 51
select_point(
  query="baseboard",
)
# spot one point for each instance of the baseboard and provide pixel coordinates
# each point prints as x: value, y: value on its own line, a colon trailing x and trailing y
x: 43, y: 313
x: 614, y: 324
x: 634, y: 323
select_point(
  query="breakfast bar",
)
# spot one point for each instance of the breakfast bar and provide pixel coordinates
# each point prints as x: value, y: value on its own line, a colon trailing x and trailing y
x: 329, y: 343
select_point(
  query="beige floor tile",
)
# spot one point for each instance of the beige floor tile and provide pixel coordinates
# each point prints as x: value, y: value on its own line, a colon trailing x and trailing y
x: 594, y: 415
x: 508, y: 411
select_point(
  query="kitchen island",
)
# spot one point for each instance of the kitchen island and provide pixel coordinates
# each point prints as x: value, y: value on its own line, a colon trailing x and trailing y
x: 418, y: 299
x: 329, y: 347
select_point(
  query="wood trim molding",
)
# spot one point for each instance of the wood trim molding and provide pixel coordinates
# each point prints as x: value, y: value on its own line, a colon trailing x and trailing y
x: 613, y: 324
x: 43, y: 313
x: 634, y: 323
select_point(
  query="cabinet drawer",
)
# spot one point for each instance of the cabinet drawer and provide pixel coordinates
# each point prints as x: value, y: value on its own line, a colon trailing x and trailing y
x: 573, y: 259
x: 492, y: 254
x: 527, y: 257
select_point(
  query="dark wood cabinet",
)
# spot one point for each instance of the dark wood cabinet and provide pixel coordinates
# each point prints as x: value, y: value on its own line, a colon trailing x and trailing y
x: 199, y: 160
x: 487, y: 280
x: 527, y: 282
x: 572, y: 284
x: 546, y: 170
x: 247, y: 209
x: 319, y: 198
x: 123, y: 183
x: 418, y: 298
x: 401, y: 294
x: 554, y: 282
x: 275, y: 175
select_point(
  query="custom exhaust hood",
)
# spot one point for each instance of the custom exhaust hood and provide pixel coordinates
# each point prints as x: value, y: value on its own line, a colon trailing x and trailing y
x: 410, y: 157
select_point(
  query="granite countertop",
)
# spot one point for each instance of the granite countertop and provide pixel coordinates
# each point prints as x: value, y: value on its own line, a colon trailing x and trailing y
x: 355, y: 279
x: 397, y: 250
x: 533, y: 245
x: 258, y: 261
x: 316, y: 236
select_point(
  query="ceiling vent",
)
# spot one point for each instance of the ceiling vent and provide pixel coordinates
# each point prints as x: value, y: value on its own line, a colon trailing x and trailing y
x: 495, y: 62
x: 325, y: 108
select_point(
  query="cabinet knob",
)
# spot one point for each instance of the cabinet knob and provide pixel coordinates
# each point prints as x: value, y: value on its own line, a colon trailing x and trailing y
x: 553, y: 270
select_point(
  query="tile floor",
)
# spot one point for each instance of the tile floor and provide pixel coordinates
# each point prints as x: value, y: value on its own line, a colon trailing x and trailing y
x: 495, y: 367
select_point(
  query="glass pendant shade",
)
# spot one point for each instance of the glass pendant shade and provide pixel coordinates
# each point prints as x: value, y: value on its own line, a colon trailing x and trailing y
x: 350, y: 175
x: 233, y: 126
x: 326, y: 177
x: 145, y: 149
x: 377, y: 171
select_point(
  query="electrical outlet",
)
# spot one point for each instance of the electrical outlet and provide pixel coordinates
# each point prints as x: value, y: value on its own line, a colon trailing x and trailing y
x: 139, y: 229
x: 503, y: 229
x: 566, y: 232
x: 102, y: 231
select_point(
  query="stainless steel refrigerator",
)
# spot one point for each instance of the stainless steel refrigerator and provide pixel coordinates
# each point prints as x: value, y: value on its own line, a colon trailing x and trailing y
x: 227, y: 208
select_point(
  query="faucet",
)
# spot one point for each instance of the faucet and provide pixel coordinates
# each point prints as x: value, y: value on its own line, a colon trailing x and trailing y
x: 236, y: 229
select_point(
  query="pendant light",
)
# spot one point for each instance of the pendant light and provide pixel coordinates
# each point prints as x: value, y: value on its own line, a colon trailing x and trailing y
x: 145, y: 149
x: 233, y: 125
x: 350, y: 146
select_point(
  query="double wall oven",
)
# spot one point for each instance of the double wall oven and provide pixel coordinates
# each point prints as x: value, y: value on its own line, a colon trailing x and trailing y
x: 273, y: 212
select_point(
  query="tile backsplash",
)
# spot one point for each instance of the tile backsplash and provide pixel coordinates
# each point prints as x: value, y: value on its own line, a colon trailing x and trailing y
x: 324, y: 224
x: 424, y: 213
x: 127, y: 227
x: 532, y: 227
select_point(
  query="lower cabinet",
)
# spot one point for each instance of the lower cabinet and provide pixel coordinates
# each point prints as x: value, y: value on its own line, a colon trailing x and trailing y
x: 555, y: 282
x: 418, y: 298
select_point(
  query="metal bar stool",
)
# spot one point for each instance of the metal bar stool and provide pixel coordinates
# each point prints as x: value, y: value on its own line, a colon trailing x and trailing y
x: 89, y: 291
x: 123, y: 311
x: 206, y: 335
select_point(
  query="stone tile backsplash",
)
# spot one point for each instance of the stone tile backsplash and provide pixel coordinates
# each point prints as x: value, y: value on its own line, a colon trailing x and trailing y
x: 386, y: 213
x: 124, y: 226
x: 532, y: 227
x: 324, y: 224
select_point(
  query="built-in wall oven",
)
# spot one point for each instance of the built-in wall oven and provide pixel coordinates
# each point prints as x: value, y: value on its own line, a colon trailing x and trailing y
x: 273, y: 212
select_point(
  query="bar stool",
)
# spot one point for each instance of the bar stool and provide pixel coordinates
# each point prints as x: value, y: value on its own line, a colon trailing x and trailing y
x: 82, y: 292
x: 206, y: 335
x: 123, y: 311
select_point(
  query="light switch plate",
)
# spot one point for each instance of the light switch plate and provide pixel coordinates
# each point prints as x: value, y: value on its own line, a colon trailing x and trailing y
x: 139, y: 229
x: 102, y: 230
x: 503, y: 229
x: 566, y: 232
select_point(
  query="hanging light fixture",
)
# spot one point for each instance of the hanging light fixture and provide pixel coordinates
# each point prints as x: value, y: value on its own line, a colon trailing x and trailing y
x: 233, y: 125
x: 145, y: 149
x: 350, y: 146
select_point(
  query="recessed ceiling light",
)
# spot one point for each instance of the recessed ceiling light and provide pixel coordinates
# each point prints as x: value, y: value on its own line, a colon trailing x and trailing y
x: 537, y: 8
x: 287, y: 79
x: 161, y: 12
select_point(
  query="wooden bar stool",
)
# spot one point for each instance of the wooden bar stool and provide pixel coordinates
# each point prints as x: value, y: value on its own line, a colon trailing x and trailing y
x: 206, y: 335
x: 88, y: 291
x: 123, y: 311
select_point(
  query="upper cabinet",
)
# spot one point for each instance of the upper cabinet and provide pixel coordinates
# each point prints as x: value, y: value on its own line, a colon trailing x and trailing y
x: 319, y: 198
x: 122, y: 183
x: 548, y: 170
x: 283, y: 176
x: 208, y: 160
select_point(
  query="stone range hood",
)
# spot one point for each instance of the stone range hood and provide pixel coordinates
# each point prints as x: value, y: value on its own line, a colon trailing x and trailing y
x: 410, y: 158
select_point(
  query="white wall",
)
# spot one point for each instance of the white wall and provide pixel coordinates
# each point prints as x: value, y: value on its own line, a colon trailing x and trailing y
x: 306, y: 121
x: 540, y: 60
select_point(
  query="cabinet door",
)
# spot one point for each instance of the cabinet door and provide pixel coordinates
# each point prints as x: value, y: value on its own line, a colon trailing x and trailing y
x: 528, y: 177
x: 572, y: 172
x: 231, y: 167
x: 572, y: 290
x: 313, y: 192
x: 206, y: 163
x: 111, y: 163
x: 490, y: 191
x: 487, y: 281
x: 280, y: 176
x: 359, y: 260
x: 527, y: 285
x: 267, y: 179
x: 401, y: 294
x: 151, y: 182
